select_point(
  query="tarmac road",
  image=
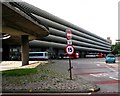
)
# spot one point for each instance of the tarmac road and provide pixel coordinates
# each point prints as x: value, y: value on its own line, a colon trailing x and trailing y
x: 96, y: 70
x: 106, y: 76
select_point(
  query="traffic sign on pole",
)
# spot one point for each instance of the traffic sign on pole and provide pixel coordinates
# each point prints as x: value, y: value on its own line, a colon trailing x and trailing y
x: 69, y: 49
x: 69, y: 34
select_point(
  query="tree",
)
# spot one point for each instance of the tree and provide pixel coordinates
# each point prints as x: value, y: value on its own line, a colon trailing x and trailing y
x: 116, y: 48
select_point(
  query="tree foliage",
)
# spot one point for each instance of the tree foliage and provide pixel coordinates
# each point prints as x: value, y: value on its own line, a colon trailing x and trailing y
x: 116, y: 48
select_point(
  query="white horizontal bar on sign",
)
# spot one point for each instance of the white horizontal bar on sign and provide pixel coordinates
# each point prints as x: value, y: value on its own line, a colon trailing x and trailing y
x: 69, y: 34
x: 69, y: 42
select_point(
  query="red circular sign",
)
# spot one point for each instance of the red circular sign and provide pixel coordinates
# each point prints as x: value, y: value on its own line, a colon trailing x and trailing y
x: 69, y: 34
x: 69, y: 49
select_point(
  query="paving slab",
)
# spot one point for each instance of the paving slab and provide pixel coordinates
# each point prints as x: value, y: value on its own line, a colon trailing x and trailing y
x: 8, y: 65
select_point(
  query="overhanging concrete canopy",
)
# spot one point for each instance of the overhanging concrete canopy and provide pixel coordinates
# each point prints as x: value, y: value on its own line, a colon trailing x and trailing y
x: 17, y: 23
x: 21, y: 29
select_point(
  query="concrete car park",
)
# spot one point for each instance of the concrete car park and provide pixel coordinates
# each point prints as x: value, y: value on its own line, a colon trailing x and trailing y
x: 29, y: 26
x: 53, y: 38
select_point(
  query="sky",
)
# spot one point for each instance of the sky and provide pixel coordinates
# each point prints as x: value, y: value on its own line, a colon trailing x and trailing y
x: 97, y: 16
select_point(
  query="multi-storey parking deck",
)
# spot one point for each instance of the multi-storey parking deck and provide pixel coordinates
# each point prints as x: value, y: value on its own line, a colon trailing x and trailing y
x: 83, y: 40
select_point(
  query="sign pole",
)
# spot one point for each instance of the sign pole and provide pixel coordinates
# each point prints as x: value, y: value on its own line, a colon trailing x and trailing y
x: 70, y: 68
x: 69, y: 49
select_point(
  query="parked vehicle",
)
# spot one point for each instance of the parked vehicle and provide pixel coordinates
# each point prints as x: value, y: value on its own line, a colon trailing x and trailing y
x: 38, y: 55
x: 90, y: 56
x: 110, y: 58
x: 100, y: 55
x: 32, y: 56
x: 74, y: 55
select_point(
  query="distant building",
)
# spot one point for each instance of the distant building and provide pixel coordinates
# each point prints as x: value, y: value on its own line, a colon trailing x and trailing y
x: 108, y: 38
x: 118, y: 40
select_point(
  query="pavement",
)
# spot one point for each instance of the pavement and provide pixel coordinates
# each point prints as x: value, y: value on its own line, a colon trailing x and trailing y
x: 8, y: 65
x: 57, y: 84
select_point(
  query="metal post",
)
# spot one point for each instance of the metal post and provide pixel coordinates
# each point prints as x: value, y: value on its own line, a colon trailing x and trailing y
x: 70, y: 68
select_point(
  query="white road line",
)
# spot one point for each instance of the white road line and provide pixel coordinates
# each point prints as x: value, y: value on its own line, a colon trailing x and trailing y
x: 111, y: 69
x: 100, y: 75
x: 113, y: 78
x: 98, y: 64
x: 108, y: 63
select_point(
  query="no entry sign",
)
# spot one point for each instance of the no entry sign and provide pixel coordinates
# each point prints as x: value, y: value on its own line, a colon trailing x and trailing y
x: 69, y: 34
x: 69, y: 49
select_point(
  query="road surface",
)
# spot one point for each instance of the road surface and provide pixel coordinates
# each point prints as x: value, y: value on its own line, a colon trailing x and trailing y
x: 106, y: 76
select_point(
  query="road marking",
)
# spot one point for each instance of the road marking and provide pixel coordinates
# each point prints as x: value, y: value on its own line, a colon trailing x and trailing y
x: 108, y: 63
x: 88, y: 73
x: 99, y: 75
x: 113, y: 78
x: 108, y: 82
x: 111, y: 69
x: 98, y: 64
x: 88, y: 68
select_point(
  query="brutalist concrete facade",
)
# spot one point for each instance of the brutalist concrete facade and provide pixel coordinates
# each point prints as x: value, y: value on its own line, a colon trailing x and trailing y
x: 83, y: 40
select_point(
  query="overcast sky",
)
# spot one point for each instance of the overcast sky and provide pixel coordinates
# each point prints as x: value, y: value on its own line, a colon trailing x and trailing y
x: 97, y: 16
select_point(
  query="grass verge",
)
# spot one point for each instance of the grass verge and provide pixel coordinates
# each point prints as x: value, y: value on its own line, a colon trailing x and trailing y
x: 24, y: 77
x: 19, y: 72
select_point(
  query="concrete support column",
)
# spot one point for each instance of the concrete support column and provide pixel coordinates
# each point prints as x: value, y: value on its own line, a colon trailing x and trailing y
x: 25, y: 50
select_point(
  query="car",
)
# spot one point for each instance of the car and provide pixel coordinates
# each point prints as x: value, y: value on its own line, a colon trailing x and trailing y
x: 110, y: 58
